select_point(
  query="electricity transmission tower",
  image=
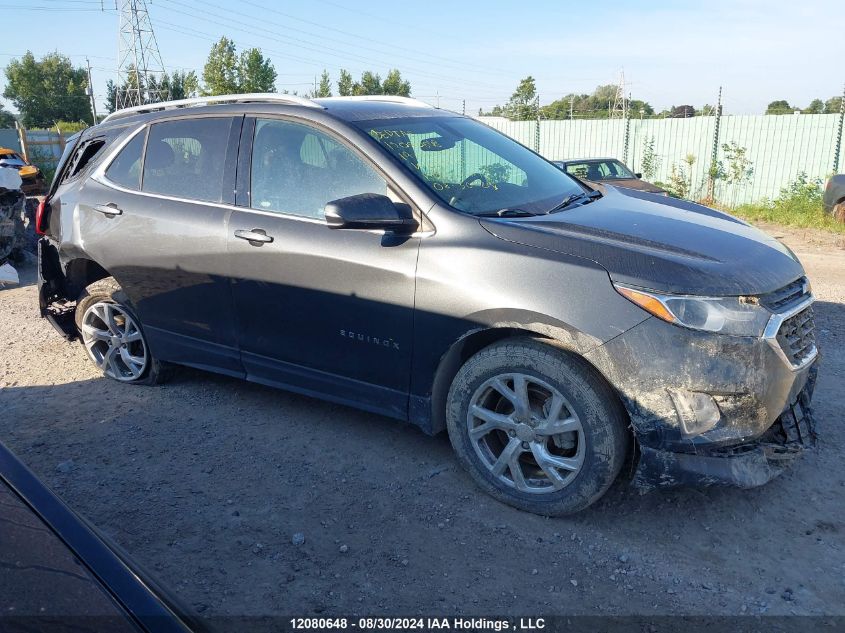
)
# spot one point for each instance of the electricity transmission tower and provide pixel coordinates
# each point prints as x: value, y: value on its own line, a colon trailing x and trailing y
x: 620, y: 101
x: 140, y: 69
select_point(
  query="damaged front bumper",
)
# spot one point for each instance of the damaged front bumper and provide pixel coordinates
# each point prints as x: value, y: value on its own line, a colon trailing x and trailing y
x: 745, y: 465
x: 709, y: 409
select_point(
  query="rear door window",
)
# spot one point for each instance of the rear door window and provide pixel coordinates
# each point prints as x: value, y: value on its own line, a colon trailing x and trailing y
x: 186, y: 158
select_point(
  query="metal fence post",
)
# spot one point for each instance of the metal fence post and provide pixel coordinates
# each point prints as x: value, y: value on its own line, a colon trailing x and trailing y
x: 838, y: 151
x: 711, y: 183
x: 537, y: 126
x: 22, y: 140
x: 627, y: 133
x: 463, y: 144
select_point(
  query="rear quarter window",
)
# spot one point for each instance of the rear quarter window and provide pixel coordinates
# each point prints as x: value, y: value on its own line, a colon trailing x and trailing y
x: 125, y: 169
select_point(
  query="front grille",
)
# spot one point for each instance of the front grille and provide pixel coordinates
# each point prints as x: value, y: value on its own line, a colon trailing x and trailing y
x: 797, y: 338
x: 786, y: 296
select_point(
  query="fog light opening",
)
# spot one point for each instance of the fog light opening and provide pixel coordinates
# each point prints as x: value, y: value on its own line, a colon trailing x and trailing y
x: 697, y: 411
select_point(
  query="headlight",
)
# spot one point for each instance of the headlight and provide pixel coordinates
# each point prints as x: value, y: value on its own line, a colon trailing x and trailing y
x: 736, y: 316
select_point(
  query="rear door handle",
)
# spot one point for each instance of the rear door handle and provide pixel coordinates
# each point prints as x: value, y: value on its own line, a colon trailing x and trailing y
x: 256, y: 237
x: 110, y: 209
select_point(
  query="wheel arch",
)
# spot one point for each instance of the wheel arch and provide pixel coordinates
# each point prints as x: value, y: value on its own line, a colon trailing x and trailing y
x: 474, y: 341
x: 80, y: 273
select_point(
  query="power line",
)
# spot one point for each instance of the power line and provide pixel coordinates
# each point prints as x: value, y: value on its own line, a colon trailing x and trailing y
x: 309, y: 45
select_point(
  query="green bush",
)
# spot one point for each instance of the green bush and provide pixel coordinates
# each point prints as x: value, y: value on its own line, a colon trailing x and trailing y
x: 44, y: 160
x: 799, y: 204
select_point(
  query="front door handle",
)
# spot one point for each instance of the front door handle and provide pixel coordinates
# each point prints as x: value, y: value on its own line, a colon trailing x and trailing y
x: 256, y: 237
x: 110, y: 209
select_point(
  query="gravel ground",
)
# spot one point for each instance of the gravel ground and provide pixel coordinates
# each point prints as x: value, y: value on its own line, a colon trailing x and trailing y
x: 247, y: 500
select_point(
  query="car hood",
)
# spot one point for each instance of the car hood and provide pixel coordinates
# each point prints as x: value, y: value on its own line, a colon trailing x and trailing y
x: 660, y: 243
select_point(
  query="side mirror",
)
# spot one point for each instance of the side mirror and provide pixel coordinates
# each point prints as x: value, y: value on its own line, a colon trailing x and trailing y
x: 638, y: 175
x: 369, y: 211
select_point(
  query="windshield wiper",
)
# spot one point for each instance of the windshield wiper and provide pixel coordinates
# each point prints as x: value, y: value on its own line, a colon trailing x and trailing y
x: 575, y: 197
x: 507, y: 213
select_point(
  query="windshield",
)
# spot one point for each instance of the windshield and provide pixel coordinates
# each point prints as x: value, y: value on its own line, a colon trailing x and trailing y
x: 472, y: 167
x: 599, y: 170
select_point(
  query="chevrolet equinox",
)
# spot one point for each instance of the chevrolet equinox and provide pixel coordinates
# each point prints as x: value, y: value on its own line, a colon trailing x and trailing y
x: 391, y: 256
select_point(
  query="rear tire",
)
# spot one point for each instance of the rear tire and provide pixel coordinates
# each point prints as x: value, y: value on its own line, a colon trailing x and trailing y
x: 537, y: 428
x: 113, y: 337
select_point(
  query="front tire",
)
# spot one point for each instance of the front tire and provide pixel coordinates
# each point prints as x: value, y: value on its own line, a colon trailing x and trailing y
x: 113, y: 338
x: 536, y: 428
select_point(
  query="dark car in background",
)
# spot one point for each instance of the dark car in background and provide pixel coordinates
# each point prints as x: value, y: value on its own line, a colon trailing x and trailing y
x: 59, y: 574
x: 834, y: 197
x: 415, y: 263
x: 609, y: 171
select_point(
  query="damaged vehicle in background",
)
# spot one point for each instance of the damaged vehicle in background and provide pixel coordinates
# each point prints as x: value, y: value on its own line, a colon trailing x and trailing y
x: 415, y: 263
x: 33, y: 182
x: 12, y: 201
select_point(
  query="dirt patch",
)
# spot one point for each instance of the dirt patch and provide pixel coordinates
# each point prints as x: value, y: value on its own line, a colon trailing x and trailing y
x: 248, y: 500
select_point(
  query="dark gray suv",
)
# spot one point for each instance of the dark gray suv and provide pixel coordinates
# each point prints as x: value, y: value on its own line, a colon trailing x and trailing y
x: 417, y: 264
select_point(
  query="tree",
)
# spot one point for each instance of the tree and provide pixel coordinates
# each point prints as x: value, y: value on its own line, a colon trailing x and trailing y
x: 370, y: 84
x: 523, y: 102
x: 682, y: 112
x: 227, y: 73
x: 780, y: 107
x: 48, y: 90
x: 394, y: 85
x: 345, y: 84
x: 816, y: 107
x: 220, y: 73
x: 833, y: 105
x: 7, y: 119
x: 111, y: 96
x: 255, y: 74
x: 325, y: 87
x: 593, y: 106
x: 179, y: 85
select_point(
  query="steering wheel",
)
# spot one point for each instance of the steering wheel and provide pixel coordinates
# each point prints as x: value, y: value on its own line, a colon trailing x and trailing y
x: 472, y: 178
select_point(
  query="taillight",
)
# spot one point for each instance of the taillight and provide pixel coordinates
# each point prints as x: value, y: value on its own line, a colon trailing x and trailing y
x: 43, y: 207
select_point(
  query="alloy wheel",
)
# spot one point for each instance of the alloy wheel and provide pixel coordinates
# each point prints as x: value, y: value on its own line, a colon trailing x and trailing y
x: 114, y: 341
x: 526, y: 433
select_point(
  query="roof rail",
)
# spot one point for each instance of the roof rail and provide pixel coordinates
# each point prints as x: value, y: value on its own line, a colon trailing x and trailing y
x: 267, y: 97
x: 389, y: 98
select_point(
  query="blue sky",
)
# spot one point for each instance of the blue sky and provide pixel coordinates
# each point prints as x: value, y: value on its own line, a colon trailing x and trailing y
x: 672, y: 53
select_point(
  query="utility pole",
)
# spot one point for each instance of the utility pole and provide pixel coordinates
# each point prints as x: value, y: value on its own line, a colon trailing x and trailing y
x: 571, y: 106
x: 537, y: 125
x: 91, y: 92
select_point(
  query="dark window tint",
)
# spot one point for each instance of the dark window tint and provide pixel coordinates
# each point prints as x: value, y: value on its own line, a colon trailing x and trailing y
x: 297, y: 170
x: 125, y: 170
x: 185, y: 158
